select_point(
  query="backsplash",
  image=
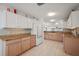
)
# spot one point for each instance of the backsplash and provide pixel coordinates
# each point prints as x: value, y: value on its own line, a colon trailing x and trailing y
x: 9, y: 31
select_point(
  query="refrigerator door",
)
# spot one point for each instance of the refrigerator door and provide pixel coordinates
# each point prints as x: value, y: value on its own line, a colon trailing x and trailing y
x: 39, y: 40
x: 40, y: 35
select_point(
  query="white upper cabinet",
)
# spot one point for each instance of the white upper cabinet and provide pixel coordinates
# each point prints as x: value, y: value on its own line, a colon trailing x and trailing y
x: 69, y: 22
x: 18, y: 21
x: 34, y: 26
x: 21, y: 21
x: 29, y: 23
x: 2, y: 19
x: 24, y: 22
x: 11, y: 20
x: 73, y: 20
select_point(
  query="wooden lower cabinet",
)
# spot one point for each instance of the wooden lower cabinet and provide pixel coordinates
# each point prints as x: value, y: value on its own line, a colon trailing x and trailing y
x: 18, y: 46
x: 33, y: 41
x: 60, y: 36
x: 53, y: 36
x: 45, y: 35
x: 25, y: 44
x: 71, y: 44
x: 56, y: 36
x: 13, y: 47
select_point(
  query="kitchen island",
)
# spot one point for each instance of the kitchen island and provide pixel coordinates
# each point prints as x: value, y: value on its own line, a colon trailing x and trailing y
x: 15, y: 41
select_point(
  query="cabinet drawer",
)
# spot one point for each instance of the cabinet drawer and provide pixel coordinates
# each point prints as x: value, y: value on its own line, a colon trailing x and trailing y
x: 26, y: 38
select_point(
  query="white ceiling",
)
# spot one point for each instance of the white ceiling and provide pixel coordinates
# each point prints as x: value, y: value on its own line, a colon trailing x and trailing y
x: 62, y: 10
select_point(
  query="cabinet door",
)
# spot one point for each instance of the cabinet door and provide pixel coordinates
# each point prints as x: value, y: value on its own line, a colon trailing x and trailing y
x: 60, y: 36
x: 25, y: 44
x: 1, y: 47
x: 69, y: 22
x: 21, y: 21
x: 11, y: 20
x: 46, y: 35
x: 29, y: 24
x: 75, y: 19
x: 2, y: 19
x: 14, y: 47
x: 52, y: 36
x: 33, y: 41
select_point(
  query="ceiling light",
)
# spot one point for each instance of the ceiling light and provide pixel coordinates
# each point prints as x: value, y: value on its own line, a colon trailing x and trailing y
x: 45, y: 26
x: 52, y: 20
x: 56, y: 23
x: 51, y: 14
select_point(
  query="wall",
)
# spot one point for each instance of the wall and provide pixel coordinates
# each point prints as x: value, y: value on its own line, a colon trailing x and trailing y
x: 21, y: 13
x: 52, y: 26
x: 4, y: 7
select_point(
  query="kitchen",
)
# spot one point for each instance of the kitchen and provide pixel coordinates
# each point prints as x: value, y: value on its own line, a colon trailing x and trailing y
x: 26, y: 28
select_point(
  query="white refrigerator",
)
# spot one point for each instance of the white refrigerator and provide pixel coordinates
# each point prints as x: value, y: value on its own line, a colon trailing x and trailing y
x: 38, y: 31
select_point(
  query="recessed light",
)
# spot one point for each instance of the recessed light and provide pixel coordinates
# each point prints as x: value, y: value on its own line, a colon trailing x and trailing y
x: 51, y: 14
x: 52, y: 20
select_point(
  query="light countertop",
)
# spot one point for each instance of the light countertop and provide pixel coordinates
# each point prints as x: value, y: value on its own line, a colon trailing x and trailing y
x: 7, y: 32
x: 10, y: 34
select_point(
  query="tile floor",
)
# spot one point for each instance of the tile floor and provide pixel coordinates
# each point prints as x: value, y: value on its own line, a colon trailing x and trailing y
x: 47, y: 48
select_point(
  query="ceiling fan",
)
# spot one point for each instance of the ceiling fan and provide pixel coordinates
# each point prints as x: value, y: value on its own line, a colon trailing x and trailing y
x: 40, y: 4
